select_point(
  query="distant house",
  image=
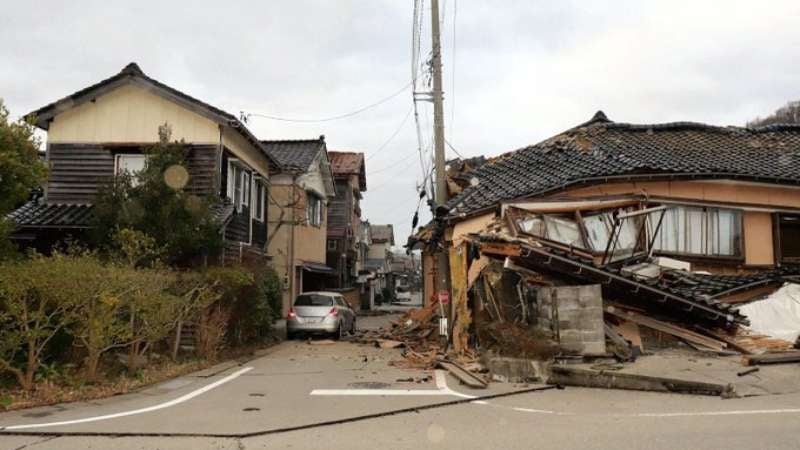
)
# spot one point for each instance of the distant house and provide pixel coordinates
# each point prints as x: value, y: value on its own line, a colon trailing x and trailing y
x: 99, y: 131
x: 344, y: 216
x: 379, y: 256
x: 298, y: 210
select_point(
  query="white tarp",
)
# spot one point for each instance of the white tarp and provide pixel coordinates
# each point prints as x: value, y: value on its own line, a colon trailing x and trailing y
x: 778, y: 315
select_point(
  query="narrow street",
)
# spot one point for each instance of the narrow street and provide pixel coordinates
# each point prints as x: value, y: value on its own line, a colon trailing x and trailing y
x: 345, y: 395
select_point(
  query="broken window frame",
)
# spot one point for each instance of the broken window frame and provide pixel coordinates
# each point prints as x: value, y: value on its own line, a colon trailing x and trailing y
x: 584, y: 245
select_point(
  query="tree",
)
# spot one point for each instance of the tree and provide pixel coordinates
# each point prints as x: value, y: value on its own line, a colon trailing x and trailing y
x: 789, y: 113
x: 21, y: 169
x: 155, y: 203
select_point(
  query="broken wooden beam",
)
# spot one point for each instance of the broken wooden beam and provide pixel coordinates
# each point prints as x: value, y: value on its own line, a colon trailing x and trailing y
x: 464, y: 376
x: 771, y: 358
x: 668, y: 328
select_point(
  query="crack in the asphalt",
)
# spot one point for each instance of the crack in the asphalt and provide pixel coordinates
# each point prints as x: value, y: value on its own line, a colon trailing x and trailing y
x: 239, y: 436
x: 41, y: 441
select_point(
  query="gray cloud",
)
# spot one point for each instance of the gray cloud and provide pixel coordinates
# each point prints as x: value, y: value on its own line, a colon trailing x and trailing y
x: 524, y: 69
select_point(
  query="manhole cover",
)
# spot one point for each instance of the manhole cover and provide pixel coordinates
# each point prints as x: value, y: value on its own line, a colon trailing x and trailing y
x: 369, y: 385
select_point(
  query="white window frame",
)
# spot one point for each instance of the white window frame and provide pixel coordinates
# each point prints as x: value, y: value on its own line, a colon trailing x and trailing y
x: 243, y: 186
x: 259, y: 199
x: 118, y: 159
x: 314, y: 209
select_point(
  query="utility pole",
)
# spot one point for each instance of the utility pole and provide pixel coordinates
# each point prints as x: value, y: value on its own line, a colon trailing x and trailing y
x: 442, y: 258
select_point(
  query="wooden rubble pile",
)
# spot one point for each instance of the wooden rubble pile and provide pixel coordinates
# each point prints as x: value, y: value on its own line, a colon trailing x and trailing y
x: 624, y: 327
x: 416, y: 334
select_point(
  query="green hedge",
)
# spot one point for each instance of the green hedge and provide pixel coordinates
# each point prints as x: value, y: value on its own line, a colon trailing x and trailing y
x: 54, y: 307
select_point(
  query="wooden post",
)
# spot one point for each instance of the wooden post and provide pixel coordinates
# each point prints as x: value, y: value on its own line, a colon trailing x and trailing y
x: 461, y: 318
x: 177, y: 340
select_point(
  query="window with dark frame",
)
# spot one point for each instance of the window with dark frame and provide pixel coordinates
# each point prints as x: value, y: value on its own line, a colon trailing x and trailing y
x: 313, y: 209
x: 789, y: 237
x: 332, y: 245
x: 260, y: 199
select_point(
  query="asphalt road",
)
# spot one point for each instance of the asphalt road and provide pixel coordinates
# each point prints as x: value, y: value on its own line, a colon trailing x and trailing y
x: 321, y: 389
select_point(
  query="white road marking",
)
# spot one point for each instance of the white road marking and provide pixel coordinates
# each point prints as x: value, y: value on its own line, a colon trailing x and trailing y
x: 378, y: 392
x: 714, y: 413
x: 442, y: 388
x: 168, y: 404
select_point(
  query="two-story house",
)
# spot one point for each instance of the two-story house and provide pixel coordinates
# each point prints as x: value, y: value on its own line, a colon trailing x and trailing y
x: 344, y: 215
x: 100, y: 130
x: 379, y: 255
x: 298, y: 219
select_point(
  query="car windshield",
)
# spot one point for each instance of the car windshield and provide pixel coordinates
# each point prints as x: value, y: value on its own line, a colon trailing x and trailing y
x: 313, y: 300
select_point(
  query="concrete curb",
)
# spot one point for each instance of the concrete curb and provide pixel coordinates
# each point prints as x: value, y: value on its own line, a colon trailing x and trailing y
x: 573, y: 376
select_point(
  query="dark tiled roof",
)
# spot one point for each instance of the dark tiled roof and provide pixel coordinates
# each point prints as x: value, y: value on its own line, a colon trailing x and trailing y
x: 295, y: 155
x: 223, y: 211
x: 132, y: 71
x: 34, y: 214
x: 599, y: 149
x: 382, y: 233
x: 49, y: 215
x: 349, y: 163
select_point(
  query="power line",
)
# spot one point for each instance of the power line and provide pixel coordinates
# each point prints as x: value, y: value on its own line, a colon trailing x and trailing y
x: 338, y: 117
x: 394, y: 135
x: 394, y: 164
x: 453, y: 72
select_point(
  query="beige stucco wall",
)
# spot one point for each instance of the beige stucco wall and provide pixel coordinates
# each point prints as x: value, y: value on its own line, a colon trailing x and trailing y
x: 130, y: 114
x: 246, y: 151
x: 711, y: 191
x: 471, y: 225
x: 378, y: 251
x: 758, y: 243
x: 309, y: 241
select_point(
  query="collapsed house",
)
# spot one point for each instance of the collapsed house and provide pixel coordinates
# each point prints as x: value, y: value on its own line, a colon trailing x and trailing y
x: 609, y: 231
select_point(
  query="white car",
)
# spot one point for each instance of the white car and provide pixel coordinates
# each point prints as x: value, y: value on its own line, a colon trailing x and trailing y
x: 402, y: 294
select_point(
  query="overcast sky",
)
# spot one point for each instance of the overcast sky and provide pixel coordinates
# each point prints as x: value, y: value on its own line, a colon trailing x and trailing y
x: 518, y: 71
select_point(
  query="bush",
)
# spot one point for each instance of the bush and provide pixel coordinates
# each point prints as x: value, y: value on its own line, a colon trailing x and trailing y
x: 38, y: 299
x: 84, y: 302
x: 252, y: 299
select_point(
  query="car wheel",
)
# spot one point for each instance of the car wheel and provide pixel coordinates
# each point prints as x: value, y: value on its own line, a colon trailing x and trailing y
x: 290, y: 336
x: 338, y: 333
x: 353, y: 328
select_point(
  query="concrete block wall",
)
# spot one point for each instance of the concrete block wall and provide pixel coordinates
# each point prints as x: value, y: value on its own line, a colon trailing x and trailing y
x: 574, y: 317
